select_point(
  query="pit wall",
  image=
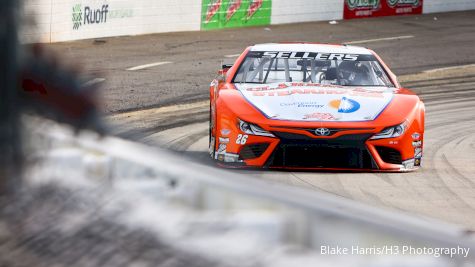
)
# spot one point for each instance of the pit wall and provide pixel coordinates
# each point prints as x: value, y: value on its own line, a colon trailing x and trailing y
x: 66, y: 20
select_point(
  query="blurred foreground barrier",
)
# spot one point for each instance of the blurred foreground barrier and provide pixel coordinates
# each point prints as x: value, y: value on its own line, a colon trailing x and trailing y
x: 239, y: 220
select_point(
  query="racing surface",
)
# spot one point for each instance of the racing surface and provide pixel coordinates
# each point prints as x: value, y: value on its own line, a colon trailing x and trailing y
x: 143, y: 103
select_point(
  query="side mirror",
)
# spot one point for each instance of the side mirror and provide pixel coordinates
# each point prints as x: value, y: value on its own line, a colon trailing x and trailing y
x: 224, y: 69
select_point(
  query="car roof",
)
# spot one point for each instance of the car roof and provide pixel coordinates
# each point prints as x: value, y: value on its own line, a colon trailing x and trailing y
x: 311, y: 47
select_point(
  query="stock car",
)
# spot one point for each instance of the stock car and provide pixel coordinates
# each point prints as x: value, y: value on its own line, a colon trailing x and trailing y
x: 314, y: 106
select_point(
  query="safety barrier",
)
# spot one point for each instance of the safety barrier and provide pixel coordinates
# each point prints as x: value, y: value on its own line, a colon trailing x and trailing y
x: 254, y: 213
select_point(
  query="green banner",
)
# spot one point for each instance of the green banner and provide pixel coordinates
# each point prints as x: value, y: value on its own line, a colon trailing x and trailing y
x: 217, y: 14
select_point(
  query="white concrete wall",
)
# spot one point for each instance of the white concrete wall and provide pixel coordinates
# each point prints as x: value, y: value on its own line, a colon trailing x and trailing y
x: 124, y: 17
x: 37, y: 22
x: 433, y: 6
x: 53, y: 19
x: 285, y: 11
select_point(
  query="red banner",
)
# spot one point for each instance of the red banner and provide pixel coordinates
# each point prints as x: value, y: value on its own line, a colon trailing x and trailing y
x: 377, y: 8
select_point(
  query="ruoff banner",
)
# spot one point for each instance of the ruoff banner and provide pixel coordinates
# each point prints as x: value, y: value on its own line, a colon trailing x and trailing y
x: 377, y: 8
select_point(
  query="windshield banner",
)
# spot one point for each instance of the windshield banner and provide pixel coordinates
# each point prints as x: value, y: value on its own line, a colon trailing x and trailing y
x: 377, y: 8
x: 216, y: 14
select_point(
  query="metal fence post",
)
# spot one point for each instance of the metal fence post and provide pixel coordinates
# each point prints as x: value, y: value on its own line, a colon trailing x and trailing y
x: 10, y: 160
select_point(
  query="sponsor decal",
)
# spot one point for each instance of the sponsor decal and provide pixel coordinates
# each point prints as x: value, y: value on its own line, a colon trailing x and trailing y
x: 216, y: 14
x: 121, y: 13
x: 225, y: 132
x: 317, y: 103
x: 393, y: 142
x: 303, y: 104
x: 222, y: 148
x: 377, y: 8
x: 417, y: 143
x: 369, y: 4
x: 361, y: 8
x: 356, y: 91
x: 394, y: 3
x: 213, y: 7
x: 416, y: 136
x: 417, y: 155
x: 320, y: 116
x: 253, y: 7
x: 345, y: 105
x: 408, y: 164
x: 305, y: 55
x: 417, y: 162
x: 77, y: 16
x: 233, y: 7
x: 89, y: 15
x: 259, y: 88
x: 322, y: 91
x: 224, y: 140
x: 228, y: 157
x: 95, y: 15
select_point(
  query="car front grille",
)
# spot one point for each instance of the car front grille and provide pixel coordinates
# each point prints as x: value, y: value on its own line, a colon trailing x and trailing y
x: 347, y: 152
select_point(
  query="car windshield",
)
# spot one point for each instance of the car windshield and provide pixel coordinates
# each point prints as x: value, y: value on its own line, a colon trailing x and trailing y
x: 323, y: 68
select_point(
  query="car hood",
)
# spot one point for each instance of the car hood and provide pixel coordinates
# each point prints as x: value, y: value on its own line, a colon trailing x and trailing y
x: 316, y: 102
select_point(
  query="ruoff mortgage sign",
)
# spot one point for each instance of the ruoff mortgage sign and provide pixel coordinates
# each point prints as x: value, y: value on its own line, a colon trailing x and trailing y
x: 96, y: 13
x: 377, y: 8
x: 86, y: 15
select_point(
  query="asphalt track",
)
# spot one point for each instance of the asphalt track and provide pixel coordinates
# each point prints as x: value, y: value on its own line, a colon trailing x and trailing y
x: 139, y: 101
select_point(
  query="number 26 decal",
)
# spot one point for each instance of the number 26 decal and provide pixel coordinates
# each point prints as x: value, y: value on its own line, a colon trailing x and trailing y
x: 241, y: 139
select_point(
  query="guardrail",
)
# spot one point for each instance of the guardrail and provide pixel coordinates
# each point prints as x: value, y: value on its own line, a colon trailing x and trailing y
x: 260, y: 217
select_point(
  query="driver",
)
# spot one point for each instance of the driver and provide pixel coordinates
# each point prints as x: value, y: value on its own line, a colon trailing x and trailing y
x: 353, y: 73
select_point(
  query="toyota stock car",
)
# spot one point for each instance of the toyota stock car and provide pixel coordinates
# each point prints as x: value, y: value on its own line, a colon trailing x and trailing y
x: 314, y: 106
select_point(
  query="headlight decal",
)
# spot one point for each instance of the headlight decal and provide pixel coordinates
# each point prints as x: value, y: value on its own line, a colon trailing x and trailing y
x: 391, y: 132
x: 253, y: 129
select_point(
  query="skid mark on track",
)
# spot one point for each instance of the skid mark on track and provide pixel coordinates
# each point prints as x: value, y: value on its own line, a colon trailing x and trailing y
x: 304, y: 181
x: 446, y: 179
x: 182, y: 144
x: 385, y: 177
x: 373, y: 198
x: 457, y: 174
x: 180, y: 138
x: 450, y: 68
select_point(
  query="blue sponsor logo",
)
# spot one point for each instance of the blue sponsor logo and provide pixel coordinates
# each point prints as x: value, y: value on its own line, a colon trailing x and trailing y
x: 348, y: 105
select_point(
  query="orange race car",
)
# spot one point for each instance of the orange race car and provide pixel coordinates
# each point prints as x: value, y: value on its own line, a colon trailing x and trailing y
x: 314, y: 106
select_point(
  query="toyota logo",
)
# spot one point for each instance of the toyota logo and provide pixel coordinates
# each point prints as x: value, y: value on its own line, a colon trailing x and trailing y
x: 322, y: 131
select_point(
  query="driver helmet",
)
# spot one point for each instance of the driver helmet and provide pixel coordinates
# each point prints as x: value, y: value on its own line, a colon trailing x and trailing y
x: 353, y: 72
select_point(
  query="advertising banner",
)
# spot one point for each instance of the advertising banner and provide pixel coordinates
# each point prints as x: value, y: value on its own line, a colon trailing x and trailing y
x: 377, y: 8
x: 216, y: 14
